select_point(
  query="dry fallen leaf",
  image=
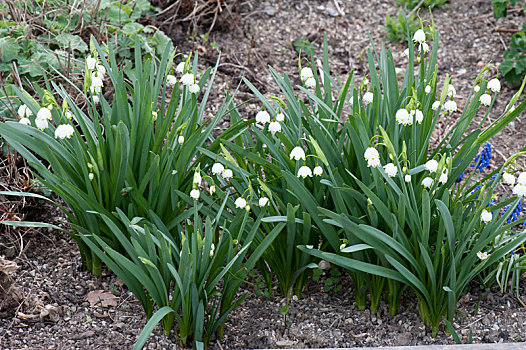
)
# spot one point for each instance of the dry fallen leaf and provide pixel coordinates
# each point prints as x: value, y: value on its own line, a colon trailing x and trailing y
x: 104, y: 298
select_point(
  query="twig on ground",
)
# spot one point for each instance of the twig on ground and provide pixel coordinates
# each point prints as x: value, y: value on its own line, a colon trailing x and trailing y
x: 416, y: 8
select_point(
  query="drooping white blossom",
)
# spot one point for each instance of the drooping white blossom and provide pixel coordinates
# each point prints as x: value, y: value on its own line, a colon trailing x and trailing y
x: 171, y: 80
x: 297, y: 153
x: 508, y: 178
x: 310, y: 83
x: 24, y: 111
x: 25, y: 121
x: 44, y: 114
x: 431, y: 165
x: 486, y: 216
x: 304, y: 171
x: 41, y: 123
x: 64, y: 131
x: 227, y: 174
x: 485, y: 99
x: 450, y: 106
x: 274, y: 127
x: 194, y: 194
x: 306, y: 73
x: 403, y: 117
x: 240, y: 202
x: 188, y: 79
x: 368, y: 98
x: 419, y: 116
x: 180, y: 67
x: 263, y: 201
x: 217, y: 168
x: 390, y: 169
x: 194, y: 89
x: 419, y: 36
x: 262, y: 117
x: 494, y: 85
x: 427, y: 182
x: 372, y: 157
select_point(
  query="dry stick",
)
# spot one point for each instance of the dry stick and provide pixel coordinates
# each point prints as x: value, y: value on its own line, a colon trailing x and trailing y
x: 338, y: 8
x: 505, y: 30
x: 415, y: 8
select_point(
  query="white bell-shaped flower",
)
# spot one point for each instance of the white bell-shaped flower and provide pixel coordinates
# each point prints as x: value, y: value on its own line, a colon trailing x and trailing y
x: 240, y: 202
x: 419, y: 36
x: 485, y: 99
x: 431, y: 165
x: 450, y: 106
x: 194, y: 194
x: 494, y: 85
x: 217, y: 168
x: 274, y: 127
x: 297, y: 153
x: 304, y: 172
x: 64, y: 131
x: 427, y: 182
x: 318, y: 170
x: 486, y: 216
x: 24, y: 111
x: 171, y: 80
x: 262, y: 117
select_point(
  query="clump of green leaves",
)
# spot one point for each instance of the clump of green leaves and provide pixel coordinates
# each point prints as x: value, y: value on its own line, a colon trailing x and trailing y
x: 305, y: 46
x: 411, y: 4
x: 500, y: 7
x: 397, y: 28
x: 513, y: 67
x: 57, y: 46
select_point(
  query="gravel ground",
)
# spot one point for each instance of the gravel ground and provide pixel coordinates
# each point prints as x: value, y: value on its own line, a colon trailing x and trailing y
x: 45, y: 302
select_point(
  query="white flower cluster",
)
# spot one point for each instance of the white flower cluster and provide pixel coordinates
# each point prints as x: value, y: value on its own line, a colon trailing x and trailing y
x: 188, y: 79
x: 520, y: 183
x: 449, y: 106
x: 520, y: 187
x: 64, y: 131
x: 432, y: 166
x: 304, y: 171
x: 372, y: 157
x: 420, y: 38
x: 24, y: 113
x: 406, y: 118
x: 43, y: 116
x: 97, y: 72
x: 263, y: 117
x: 307, y: 77
x: 494, y: 86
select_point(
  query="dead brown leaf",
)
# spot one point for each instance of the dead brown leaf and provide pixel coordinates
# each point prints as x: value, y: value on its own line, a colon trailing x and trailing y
x: 101, y: 297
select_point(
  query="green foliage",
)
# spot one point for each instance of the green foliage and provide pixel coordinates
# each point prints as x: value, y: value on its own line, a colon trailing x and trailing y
x: 398, y: 28
x: 513, y: 67
x: 58, y: 47
x: 181, y: 276
x: 500, y: 7
x: 304, y: 46
x: 411, y: 4
x: 393, y: 227
x: 122, y: 154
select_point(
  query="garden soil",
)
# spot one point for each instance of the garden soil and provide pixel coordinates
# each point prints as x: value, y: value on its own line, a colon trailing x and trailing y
x: 48, y: 302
